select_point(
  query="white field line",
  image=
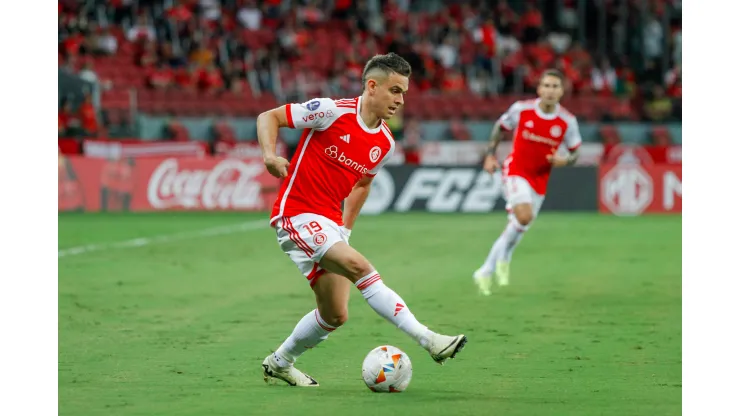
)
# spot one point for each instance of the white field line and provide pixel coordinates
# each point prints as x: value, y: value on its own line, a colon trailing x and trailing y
x: 164, y: 238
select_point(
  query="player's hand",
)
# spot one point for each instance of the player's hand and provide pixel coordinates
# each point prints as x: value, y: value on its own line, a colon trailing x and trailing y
x: 277, y: 166
x: 557, y: 161
x: 490, y: 164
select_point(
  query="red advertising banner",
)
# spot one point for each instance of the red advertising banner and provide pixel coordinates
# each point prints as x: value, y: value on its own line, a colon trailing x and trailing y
x: 69, y: 146
x: 246, y: 149
x: 645, y: 155
x: 469, y: 153
x: 154, y: 184
x: 632, y: 189
x: 118, y: 149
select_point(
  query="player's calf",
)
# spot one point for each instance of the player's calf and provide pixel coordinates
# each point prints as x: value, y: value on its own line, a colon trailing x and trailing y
x: 343, y: 259
x: 332, y: 298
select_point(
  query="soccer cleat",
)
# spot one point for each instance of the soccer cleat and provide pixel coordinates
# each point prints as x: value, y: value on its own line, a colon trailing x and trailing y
x: 502, y: 273
x: 291, y: 375
x: 484, y: 281
x: 444, y: 347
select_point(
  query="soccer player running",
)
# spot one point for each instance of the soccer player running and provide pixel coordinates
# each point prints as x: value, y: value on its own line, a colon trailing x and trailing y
x: 344, y: 144
x: 540, y: 127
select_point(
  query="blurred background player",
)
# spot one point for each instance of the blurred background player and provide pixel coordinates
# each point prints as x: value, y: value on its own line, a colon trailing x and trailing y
x: 344, y: 144
x: 540, y: 127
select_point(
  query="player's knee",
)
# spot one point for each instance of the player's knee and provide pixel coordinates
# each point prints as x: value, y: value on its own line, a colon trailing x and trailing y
x: 338, y: 318
x: 524, y: 217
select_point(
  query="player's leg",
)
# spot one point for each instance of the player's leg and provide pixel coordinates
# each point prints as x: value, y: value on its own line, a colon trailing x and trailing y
x: 346, y: 261
x: 526, y: 218
x: 332, y: 296
x: 520, y: 205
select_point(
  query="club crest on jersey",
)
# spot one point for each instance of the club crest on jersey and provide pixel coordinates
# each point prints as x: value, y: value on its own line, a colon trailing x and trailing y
x: 313, y: 105
x: 319, y: 239
x: 375, y: 154
x: 556, y: 131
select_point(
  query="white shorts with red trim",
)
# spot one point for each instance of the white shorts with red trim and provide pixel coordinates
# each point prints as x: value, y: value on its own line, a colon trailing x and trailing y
x: 517, y: 190
x: 305, y: 238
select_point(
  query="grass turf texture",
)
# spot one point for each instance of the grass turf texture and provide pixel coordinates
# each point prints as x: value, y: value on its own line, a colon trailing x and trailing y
x: 591, y: 324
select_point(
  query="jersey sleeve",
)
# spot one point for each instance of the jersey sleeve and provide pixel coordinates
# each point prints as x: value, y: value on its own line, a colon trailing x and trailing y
x: 510, y: 118
x: 573, y: 135
x: 317, y: 113
x: 374, y: 171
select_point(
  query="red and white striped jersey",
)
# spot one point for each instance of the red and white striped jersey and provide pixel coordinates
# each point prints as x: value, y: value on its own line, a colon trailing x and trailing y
x: 536, y: 135
x: 336, y: 150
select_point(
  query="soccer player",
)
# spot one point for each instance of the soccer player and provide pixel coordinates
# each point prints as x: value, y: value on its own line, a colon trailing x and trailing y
x: 540, y: 127
x: 344, y: 144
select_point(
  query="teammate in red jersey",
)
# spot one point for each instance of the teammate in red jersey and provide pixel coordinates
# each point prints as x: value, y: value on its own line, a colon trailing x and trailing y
x: 540, y: 127
x: 344, y: 144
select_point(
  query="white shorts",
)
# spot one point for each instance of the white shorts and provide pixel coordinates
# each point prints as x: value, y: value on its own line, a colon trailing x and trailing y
x: 305, y: 238
x: 517, y: 190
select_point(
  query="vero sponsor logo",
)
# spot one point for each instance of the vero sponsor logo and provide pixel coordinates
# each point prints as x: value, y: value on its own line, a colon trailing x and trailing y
x: 318, y: 115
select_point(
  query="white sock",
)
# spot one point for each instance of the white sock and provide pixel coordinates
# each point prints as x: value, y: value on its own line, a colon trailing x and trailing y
x: 309, y: 332
x: 509, y: 252
x: 504, y: 245
x: 386, y: 303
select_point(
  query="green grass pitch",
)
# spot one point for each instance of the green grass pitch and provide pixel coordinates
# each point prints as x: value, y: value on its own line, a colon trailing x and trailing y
x: 591, y: 324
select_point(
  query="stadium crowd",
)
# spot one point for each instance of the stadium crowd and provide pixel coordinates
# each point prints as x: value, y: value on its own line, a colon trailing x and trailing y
x: 289, y: 50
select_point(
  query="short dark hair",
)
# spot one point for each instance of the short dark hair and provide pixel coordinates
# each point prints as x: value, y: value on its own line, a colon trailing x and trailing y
x: 388, y: 63
x: 553, y: 73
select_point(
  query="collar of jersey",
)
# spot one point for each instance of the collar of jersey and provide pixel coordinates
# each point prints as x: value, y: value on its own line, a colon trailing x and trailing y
x: 542, y: 114
x: 362, y: 123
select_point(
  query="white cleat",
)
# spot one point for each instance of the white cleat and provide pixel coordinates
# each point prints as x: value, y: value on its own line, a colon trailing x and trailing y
x: 502, y: 273
x: 291, y: 375
x: 444, y: 347
x: 484, y: 281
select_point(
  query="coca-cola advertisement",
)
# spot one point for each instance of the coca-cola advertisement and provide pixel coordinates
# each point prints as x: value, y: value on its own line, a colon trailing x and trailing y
x: 155, y: 184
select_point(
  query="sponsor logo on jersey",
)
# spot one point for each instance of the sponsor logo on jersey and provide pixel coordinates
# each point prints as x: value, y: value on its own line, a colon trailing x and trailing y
x: 333, y: 152
x: 528, y: 135
x: 316, y: 116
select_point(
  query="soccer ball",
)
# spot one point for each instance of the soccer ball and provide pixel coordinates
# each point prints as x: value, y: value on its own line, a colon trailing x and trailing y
x: 387, y: 369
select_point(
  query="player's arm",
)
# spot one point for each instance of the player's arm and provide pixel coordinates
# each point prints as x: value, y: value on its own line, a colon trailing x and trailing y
x: 355, y: 200
x: 268, y: 124
x: 490, y: 163
x: 560, y: 161
x: 313, y: 114
x: 573, y: 157
x: 357, y: 197
x: 497, y: 134
x: 505, y: 123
